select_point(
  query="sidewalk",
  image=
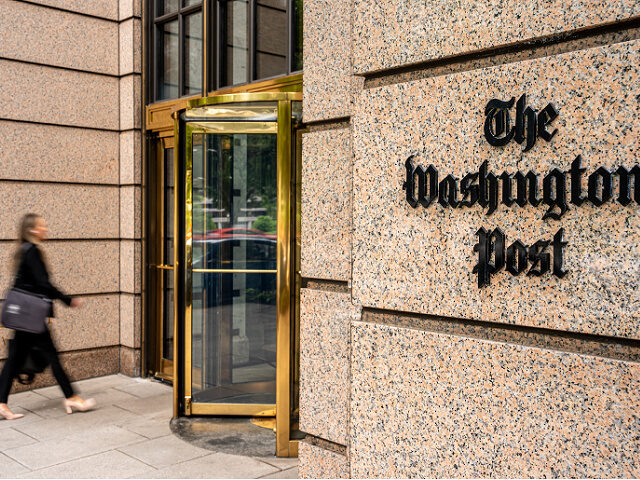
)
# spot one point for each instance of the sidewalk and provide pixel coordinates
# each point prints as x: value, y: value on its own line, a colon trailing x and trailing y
x: 127, y: 436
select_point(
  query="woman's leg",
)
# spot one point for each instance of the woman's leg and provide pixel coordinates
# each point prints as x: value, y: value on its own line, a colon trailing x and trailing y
x: 17, y: 353
x: 45, y: 343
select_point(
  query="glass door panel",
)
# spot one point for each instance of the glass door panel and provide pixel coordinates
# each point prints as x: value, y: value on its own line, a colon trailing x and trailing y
x: 234, y: 268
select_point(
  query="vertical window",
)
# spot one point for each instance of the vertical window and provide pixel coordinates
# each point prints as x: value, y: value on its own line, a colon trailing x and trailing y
x: 178, y: 34
x: 257, y: 39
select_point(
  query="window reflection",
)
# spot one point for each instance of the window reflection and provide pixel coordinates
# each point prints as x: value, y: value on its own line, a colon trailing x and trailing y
x: 168, y: 85
x: 193, y: 54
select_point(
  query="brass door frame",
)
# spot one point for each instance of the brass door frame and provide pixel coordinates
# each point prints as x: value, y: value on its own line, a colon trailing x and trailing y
x: 283, y: 128
x: 163, y: 367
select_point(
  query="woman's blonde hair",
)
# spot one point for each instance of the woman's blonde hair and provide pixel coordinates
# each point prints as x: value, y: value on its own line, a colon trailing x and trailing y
x: 27, y: 224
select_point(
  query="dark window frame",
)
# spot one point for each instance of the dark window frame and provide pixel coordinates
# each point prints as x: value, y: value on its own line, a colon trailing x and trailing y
x: 213, y: 60
x: 156, y: 59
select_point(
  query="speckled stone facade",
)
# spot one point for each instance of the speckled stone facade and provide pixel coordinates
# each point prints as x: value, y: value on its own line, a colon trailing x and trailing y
x: 325, y: 320
x: 326, y: 204
x: 529, y: 376
x: 318, y: 462
x: 70, y: 150
x: 448, y: 406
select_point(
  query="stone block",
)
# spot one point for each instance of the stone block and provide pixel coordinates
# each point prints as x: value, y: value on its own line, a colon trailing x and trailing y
x: 328, y: 81
x: 130, y: 46
x: 324, y: 363
x: 131, y: 157
x: 431, y: 405
x: 326, y: 204
x: 130, y: 212
x: 98, y: 8
x: 58, y: 154
x: 130, y: 8
x: 76, y: 267
x: 392, y: 33
x: 71, y: 211
x: 130, y: 320
x: 130, y: 266
x: 130, y: 102
x: 421, y: 259
x: 62, y: 97
x: 130, y: 361
x: 317, y: 462
x: 67, y: 45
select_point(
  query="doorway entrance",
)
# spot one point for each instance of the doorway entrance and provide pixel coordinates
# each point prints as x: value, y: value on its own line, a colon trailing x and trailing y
x: 236, y: 259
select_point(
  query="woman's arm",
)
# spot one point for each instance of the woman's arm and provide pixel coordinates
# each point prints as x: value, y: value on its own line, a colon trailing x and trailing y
x: 36, y: 266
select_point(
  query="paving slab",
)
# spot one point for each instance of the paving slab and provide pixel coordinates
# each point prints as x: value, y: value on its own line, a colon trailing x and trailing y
x: 9, y: 468
x: 164, y: 451
x: 278, y: 462
x: 150, y: 427
x: 90, y: 442
x: 112, y: 464
x: 146, y: 388
x: 216, y: 465
x: 77, y: 423
x: 11, y: 438
x: 148, y: 406
x: 290, y: 473
x: 29, y: 417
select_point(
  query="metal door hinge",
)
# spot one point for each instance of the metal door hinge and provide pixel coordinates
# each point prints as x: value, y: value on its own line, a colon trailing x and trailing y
x: 187, y: 405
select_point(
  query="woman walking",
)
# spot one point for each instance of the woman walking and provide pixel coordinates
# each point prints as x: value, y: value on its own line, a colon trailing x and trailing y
x: 32, y: 276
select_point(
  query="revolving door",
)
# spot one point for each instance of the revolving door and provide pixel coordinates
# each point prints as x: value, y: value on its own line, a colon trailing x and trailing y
x: 237, y: 258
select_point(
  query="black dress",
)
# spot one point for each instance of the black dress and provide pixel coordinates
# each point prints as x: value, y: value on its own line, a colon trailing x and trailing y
x: 32, y: 276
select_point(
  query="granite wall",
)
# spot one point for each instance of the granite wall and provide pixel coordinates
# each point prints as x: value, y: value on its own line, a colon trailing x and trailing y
x: 70, y: 150
x: 409, y: 368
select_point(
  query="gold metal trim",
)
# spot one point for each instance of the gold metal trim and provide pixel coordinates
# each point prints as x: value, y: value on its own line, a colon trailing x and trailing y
x: 245, y: 97
x: 164, y: 267
x: 216, y: 127
x: 255, y: 410
x: 230, y: 270
x: 283, y: 282
x: 176, y: 263
x: 290, y: 83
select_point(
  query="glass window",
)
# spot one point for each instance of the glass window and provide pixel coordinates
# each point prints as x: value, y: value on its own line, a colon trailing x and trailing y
x: 248, y: 40
x: 236, y: 39
x: 178, y: 29
x: 193, y: 54
x: 168, y: 87
x: 271, y: 44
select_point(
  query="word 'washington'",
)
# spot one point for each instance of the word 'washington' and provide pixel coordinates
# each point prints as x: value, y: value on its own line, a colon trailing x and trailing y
x: 423, y: 187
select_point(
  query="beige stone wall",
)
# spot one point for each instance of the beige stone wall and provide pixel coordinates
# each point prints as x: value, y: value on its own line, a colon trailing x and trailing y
x: 530, y: 376
x: 70, y: 149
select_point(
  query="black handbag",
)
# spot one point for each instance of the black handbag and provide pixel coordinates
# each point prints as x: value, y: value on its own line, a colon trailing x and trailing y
x: 34, y: 362
x: 25, y: 311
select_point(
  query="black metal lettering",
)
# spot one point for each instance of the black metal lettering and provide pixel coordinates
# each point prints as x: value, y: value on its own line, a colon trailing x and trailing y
x: 490, y: 245
x: 497, y: 129
x: 624, y: 194
x: 448, y: 192
x: 547, y: 115
x: 538, y: 256
x: 601, y: 180
x: 507, y: 192
x: 526, y: 118
x: 409, y: 184
x: 487, y: 189
x: 517, y: 261
x: 469, y: 190
x: 555, y: 178
x: 576, y: 172
x: 428, y: 190
x: 558, y: 254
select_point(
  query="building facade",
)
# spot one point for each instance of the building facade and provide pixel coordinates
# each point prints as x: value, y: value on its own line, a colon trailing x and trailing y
x: 406, y: 231
x: 453, y: 326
